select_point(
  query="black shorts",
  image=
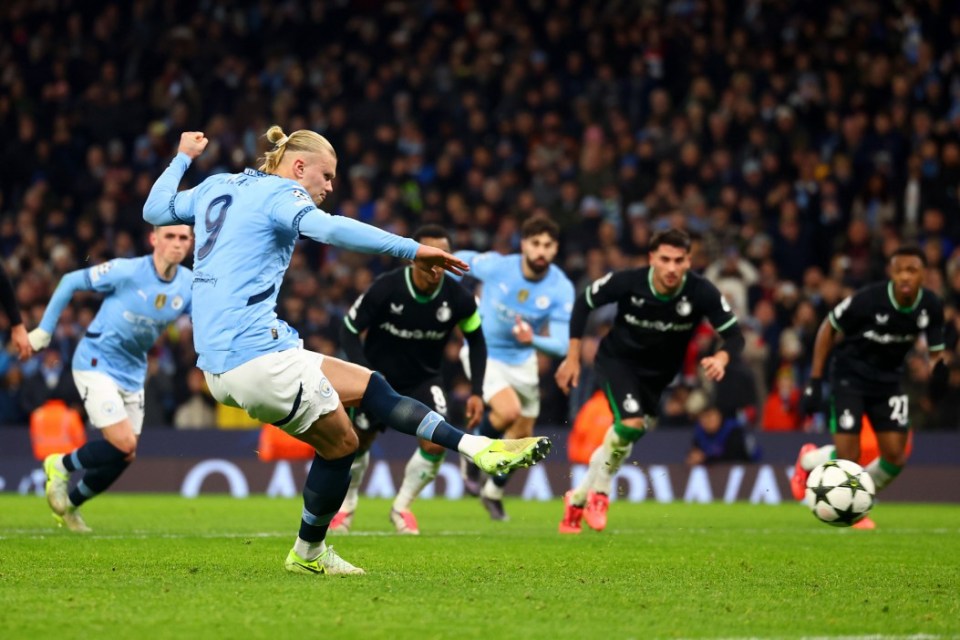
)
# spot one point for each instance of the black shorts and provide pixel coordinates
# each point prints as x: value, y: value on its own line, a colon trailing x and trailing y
x: 630, y: 395
x: 430, y: 392
x: 888, y: 410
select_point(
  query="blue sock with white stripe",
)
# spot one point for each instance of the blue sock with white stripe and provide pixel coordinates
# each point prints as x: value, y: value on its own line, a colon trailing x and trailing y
x: 92, y: 455
x: 323, y: 494
x: 407, y: 415
x: 96, y: 481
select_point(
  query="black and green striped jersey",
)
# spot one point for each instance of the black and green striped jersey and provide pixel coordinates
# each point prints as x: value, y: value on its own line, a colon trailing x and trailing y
x: 652, y: 331
x: 878, y: 334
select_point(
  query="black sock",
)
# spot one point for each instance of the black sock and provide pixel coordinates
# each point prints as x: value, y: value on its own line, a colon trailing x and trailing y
x: 486, y: 428
x: 96, y: 481
x: 323, y: 493
x: 92, y: 455
x: 501, y: 479
x: 407, y: 415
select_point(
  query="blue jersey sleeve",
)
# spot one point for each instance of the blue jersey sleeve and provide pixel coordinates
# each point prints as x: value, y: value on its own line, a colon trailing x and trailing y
x: 354, y: 235
x: 482, y: 265
x: 71, y: 282
x: 557, y: 341
x: 106, y: 276
x: 164, y: 205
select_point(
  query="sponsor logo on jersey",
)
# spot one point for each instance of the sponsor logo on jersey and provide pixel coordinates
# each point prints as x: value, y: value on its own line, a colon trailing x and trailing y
x: 415, y: 334
x: 143, y: 324
x: 630, y: 404
x: 635, y: 301
x: 396, y: 309
x: 846, y: 420
x: 888, y: 338
x: 882, y: 318
x: 657, y: 325
x: 160, y: 300
x: 684, y: 307
x: 176, y: 303
x: 542, y: 302
x: 142, y: 293
x: 523, y: 294
x: 444, y: 313
x: 923, y: 319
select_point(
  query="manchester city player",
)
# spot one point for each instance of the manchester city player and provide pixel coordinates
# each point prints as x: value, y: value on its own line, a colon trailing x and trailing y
x: 879, y: 325
x: 143, y: 296
x: 247, y: 225
x: 406, y: 318
x: 658, y: 309
x: 525, y: 306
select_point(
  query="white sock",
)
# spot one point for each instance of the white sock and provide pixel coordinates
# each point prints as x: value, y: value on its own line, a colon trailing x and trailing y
x: 882, y: 476
x: 605, y: 461
x: 419, y: 473
x: 491, y: 491
x: 59, y: 464
x: 308, y: 550
x: 470, y: 445
x: 815, y: 458
x: 357, y: 471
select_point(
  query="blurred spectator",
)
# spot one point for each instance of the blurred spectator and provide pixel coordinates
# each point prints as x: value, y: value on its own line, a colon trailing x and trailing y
x: 719, y: 440
x: 197, y: 411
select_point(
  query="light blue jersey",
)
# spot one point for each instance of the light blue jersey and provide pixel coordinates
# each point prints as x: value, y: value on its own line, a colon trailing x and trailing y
x: 246, y: 226
x: 506, y: 294
x: 137, y: 308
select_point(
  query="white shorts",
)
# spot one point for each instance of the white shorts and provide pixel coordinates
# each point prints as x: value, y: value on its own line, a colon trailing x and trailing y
x: 106, y: 403
x: 286, y: 389
x: 523, y: 378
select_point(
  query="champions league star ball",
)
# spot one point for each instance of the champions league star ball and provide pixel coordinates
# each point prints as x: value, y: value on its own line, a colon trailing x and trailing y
x: 840, y: 493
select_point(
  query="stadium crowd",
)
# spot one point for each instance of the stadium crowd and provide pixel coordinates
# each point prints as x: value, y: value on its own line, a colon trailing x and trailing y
x: 799, y: 142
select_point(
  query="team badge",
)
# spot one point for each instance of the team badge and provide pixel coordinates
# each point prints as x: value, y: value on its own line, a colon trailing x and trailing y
x: 923, y: 319
x: 523, y: 294
x: 177, y: 303
x: 630, y: 404
x: 542, y: 302
x: 160, y: 300
x: 326, y: 390
x: 684, y: 307
x: 109, y: 407
x: 444, y: 313
x: 846, y: 420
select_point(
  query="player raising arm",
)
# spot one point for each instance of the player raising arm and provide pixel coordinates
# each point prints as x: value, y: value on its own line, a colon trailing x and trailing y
x: 247, y: 225
x: 658, y: 309
x: 879, y: 324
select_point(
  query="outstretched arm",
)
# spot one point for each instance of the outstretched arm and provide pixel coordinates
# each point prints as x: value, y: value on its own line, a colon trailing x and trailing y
x: 70, y: 283
x: 18, y: 333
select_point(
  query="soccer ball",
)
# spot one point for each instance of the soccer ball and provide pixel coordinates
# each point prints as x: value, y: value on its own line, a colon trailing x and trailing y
x: 840, y: 493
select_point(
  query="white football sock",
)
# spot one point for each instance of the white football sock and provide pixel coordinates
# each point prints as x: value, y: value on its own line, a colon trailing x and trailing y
x: 470, y: 445
x: 308, y: 550
x: 605, y: 461
x: 815, y: 458
x: 357, y: 470
x: 491, y: 491
x: 419, y: 473
x: 882, y: 472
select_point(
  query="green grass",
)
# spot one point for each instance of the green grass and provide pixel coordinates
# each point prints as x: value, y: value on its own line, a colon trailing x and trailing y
x: 167, y: 567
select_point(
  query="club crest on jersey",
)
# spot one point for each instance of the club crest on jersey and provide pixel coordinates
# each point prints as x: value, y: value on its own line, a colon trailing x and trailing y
x: 923, y: 319
x: 542, y: 302
x: 523, y: 294
x: 325, y: 389
x: 630, y: 404
x: 160, y: 300
x: 444, y: 313
x: 846, y: 420
x: 177, y: 303
x: 684, y: 307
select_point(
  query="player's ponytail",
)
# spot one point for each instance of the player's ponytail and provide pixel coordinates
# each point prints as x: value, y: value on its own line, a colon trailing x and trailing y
x: 301, y: 140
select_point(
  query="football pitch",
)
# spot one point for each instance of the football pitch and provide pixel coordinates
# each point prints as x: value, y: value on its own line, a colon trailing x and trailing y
x: 211, y: 567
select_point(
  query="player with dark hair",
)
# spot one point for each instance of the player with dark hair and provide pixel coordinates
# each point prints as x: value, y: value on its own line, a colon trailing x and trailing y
x: 525, y: 305
x: 880, y: 324
x: 658, y: 309
x: 407, y: 316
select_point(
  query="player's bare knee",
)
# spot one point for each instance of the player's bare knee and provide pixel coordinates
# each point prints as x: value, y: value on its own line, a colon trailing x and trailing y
x: 506, y: 416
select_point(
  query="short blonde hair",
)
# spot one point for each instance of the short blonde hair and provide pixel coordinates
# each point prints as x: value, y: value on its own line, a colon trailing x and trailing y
x: 300, y: 140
